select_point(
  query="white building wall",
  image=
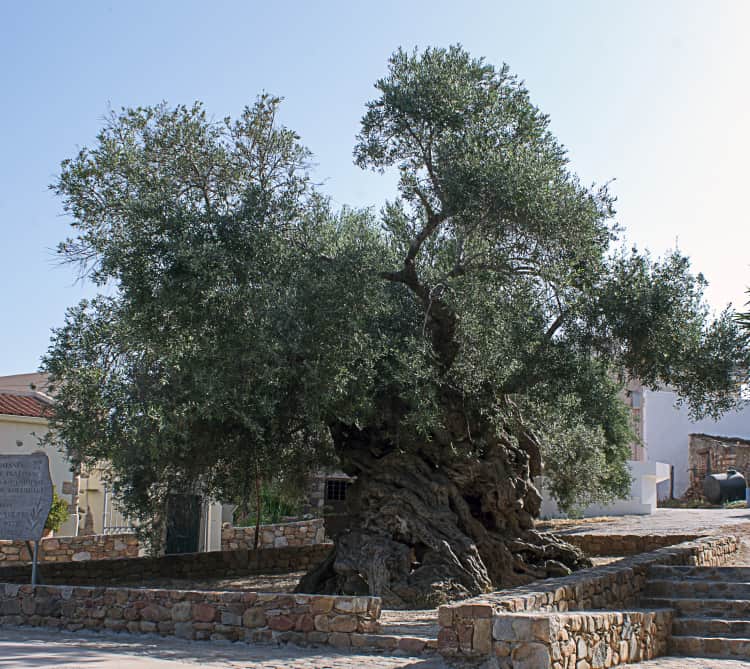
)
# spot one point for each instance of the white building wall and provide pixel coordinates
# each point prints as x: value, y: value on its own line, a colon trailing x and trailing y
x: 667, y: 429
x: 211, y: 520
x: 644, y: 478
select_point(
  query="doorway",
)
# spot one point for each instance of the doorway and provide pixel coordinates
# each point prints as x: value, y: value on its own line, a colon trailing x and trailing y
x: 183, y: 523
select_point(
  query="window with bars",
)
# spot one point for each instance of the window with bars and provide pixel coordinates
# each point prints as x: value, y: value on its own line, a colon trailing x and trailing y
x: 336, y: 490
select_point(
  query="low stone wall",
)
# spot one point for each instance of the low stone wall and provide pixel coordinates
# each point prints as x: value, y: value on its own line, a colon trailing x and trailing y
x: 77, y: 549
x: 300, y: 533
x: 573, y: 641
x: 216, y: 564
x: 466, y: 627
x: 233, y: 616
x: 606, y: 545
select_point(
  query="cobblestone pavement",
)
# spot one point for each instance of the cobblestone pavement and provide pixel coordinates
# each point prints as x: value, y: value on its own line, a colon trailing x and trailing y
x: 22, y: 648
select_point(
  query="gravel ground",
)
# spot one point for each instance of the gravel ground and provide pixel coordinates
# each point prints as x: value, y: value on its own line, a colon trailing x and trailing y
x: 257, y: 583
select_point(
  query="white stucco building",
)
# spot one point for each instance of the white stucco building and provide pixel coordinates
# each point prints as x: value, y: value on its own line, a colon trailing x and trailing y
x: 645, y: 477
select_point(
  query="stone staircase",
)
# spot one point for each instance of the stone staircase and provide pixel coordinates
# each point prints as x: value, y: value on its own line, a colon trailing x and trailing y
x: 410, y: 632
x: 711, y: 605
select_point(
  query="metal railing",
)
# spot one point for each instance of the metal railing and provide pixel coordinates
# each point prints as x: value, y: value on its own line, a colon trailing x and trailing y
x: 113, y: 521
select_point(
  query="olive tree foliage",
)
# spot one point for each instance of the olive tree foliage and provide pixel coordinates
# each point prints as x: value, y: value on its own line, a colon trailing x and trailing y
x: 221, y: 347
x: 514, y: 264
x: 244, y: 321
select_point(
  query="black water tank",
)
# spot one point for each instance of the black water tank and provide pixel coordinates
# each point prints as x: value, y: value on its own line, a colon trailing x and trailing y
x: 720, y: 488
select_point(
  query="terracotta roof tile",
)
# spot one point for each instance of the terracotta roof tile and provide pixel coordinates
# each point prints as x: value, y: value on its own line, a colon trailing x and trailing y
x: 24, y: 405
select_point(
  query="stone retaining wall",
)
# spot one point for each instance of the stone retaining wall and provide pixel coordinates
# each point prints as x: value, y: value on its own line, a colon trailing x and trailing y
x: 78, y: 549
x: 466, y: 627
x: 222, y: 564
x: 233, y: 616
x: 604, y: 545
x: 573, y: 641
x: 300, y: 533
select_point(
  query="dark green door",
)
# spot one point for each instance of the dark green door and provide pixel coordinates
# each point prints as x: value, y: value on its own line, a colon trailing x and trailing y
x: 183, y: 523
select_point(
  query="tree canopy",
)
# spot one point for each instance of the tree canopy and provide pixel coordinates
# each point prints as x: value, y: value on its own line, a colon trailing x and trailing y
x: 220, y: 351
x: 250, y: 329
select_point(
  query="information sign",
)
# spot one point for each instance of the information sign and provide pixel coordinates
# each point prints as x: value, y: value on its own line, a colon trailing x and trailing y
x: 25, y: 496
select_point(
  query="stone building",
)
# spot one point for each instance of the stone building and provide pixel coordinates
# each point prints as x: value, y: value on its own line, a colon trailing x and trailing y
x: 634, y: 399
x: 326, y: 498
x: 710, y: 454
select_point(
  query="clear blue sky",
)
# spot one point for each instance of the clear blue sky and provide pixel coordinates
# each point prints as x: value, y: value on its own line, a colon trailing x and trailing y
x: 651, y: 93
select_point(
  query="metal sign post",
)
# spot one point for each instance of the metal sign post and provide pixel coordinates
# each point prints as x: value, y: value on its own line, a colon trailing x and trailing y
x: 34, y: 563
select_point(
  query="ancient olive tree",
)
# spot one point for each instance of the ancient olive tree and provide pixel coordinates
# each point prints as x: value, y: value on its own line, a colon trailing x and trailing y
x: 529, y: 321
x: 478, y: 331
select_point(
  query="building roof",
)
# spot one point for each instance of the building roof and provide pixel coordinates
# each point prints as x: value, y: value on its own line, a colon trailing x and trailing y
x: 24, y: 383
x: 727, y: 441
x: 32, y: 404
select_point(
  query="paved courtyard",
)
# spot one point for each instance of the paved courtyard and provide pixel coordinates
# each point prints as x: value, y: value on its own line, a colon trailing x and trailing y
x: 21, y: 648
x: 665, y: 521
x: 28, y: 647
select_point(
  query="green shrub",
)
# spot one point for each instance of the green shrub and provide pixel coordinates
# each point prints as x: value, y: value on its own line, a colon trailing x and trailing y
x: 58, y: 513
x: 278, y: 499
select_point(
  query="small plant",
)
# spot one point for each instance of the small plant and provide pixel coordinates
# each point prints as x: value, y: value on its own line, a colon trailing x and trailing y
x: 685, y: 504
x: 277, y: 500
x: 58, y: 513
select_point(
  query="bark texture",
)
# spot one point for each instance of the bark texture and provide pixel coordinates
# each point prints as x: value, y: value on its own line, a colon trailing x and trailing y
x: 425, y: 528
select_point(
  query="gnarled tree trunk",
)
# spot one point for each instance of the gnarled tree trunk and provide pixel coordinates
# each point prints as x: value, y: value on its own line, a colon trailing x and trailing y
x: 426, y: 527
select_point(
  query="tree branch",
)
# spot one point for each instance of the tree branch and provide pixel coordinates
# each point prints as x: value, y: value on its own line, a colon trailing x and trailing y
x: 554, y: 327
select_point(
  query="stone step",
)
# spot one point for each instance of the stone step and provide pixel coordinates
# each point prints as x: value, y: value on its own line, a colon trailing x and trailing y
x: 700, y: 588
x: 734, y: 574
x: 407, y: 644
x: 709, y: 646
x: 711, y: 627
x: 690, y: 607
x: 413, y: 632
x: 409, y: 623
